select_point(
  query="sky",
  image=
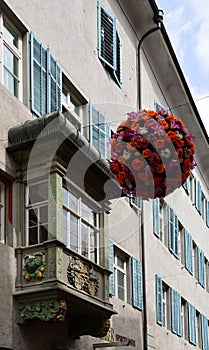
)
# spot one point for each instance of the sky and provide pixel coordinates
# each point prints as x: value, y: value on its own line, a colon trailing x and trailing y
x: 187, y: 25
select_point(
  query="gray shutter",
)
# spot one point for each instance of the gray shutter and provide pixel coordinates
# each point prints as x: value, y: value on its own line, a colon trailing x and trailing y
x: 204, y: 332
x: 159, y: 300
x: 188, y: 251
x: 192, y: 324
x: 136, y: 283
x: 111, y: 268
x: 156, y: 216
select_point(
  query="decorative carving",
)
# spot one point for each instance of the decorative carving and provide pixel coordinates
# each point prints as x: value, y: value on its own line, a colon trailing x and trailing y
x: 48, y: 310
x: 82, y: 276
x: 93, y: 326
x: 105, y: 328
x: 34, y: 268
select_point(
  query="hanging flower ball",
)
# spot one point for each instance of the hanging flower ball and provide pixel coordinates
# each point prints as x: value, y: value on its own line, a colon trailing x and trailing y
x: 152, y: 154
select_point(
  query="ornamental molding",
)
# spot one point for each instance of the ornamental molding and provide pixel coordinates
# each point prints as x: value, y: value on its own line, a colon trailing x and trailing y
x: 47, y: 310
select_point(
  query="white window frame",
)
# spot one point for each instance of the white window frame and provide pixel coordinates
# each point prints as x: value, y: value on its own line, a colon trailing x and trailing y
x: 78, y: 215
x: 162, y: 220
x: 17, y: 52
x: 33, y: 206
x: 165, y: 303
x: 123, y: 271
x: 2, y: 212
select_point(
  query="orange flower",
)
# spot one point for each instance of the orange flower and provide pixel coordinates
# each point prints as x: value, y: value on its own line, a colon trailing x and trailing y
x: 134, y: 126
x: 160, y: 168
x: 170, y: 117
x: 159, y: 143
x: 186, y: 165
x: 164, y: 124
x: 146, y: 153
x: 172, y: 135
x: 137, y: 164
x: 121, y: 160
x: 178, y: 142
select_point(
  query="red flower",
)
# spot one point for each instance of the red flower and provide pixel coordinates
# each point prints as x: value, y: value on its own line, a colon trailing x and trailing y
x: 146, y: 153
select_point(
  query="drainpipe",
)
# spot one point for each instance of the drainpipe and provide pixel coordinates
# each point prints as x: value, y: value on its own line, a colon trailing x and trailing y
x: 158, y: 18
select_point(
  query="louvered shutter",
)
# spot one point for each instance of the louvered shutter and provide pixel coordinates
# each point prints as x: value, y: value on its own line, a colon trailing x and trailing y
x: 198, y: 196
x: 159, y: 300
x: 156, y: 216
x: 176, y: 323
x: 204, y: 332
x: 111, y: 268
x: 107, y: 36
x: 188, y: 251
x: 136, y: 202
x: 207, y: 212
x: 201, y: 267
x: 136, y: 283
x: 173, y: 232
x: 54, y: 84
x: 118, y: 71
x: 186, y: 185
x: 38, y: 76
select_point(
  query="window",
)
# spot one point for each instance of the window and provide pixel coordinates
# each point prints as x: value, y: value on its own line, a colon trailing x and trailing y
x: 99, y: 132
x: 159, y: 300
x: 198, y: 196
x: 194, y: 260
x: 135, y: 202
x: 120, y: 276
x: 109, y: 46
x: 181, y: 243
x: 37, y: 213
x: 46, y: 79
x: 173, y: 232
x: 2, y: 211
x: 207, y: 211
x: 120, y: 282
x: 11, y: 57
x: 69, y: 100
x: 183, y: 319
x: 165, y: 301
x: 186, y: 185
x: 162, y: 220
x: 159, y: 218
x: 80, y: 226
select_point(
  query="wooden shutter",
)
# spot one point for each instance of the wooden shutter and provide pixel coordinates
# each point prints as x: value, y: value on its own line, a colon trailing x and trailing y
x: 176, y: 324
x: 204, y: 332
x: 198, y: 196
x: 173, y: 232
x: 188, y: 251
x: 106, y: 36
x: 192, y: 324
x: 156, y: 216
x: 159, y: 300
x: 136, y: 283
x: 111, y: 268
x: 201, y: 267
x: 46, y: 79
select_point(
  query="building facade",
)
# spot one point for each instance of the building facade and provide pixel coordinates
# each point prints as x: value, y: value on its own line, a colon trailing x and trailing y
x: 85, y: 267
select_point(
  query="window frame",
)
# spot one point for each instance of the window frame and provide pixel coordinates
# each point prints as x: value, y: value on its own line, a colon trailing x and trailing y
x: 16, y: 52
x: 123, y: 271
x: 81, y: 220
x: 2, y: 212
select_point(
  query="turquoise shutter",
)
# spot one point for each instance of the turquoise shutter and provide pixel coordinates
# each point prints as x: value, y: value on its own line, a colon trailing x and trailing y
x: 106, y: 37
x: 204, y: 332
x: 173, y: 232
x: 159, y: 300
x: 188, y: 251
x: 111, y: 268
x: 136, y: 283
x: 186, y: 185
x: 207, y: 212
x: 201, y: 267
x: 118, y: 70
x: 176, y: 324
x: 38, y: 76
x: 198, y: 196
x: 54, y: 84
x: 99, y: 131
x: 192, y: 324
x: 156, y: 216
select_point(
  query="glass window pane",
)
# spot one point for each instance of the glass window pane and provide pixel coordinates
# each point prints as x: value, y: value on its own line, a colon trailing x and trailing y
x: 10, y: 34
x: 38, y: 193
x: 33, y: 217
x: 93, y: 245
x: 64, y: 226
x: 10, y: 83
x: 43, y: 215
x: 84, y: 240
x: 10, y: 61
x: 120, y: 262
x: 33, y: 235
x: 65, y: 197
x: 43, y: 233
x: 84, y: 211
x: 73, y: 233
x: 73, y: 202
